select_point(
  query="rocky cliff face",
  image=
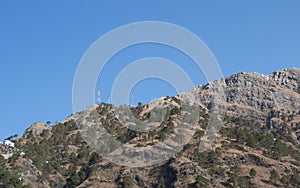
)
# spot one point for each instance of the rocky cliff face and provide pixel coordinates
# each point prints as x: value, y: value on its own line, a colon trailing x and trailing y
x: 257, y: 145
x: 255, y: 95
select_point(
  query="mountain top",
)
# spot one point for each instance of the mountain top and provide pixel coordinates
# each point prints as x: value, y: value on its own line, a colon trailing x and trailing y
x: 256, y: 146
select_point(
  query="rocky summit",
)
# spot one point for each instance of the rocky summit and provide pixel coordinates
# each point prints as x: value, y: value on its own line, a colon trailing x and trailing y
x: 252, y: 142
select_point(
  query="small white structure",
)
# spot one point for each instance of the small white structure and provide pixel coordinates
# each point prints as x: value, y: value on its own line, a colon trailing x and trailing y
x: 9, y: 143
x: 99, y: 97
x: 7, y: 155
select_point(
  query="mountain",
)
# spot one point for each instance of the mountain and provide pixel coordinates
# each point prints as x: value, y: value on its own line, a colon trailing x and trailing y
x: 257, y: 144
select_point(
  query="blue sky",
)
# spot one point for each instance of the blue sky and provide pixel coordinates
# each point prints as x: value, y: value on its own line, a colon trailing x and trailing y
x: 41, y: 44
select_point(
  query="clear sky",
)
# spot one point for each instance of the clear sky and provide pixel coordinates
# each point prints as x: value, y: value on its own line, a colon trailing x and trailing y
x: 42, y: 42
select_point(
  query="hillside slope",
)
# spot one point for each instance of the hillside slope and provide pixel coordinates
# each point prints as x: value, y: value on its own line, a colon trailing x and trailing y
x: 257, y: 145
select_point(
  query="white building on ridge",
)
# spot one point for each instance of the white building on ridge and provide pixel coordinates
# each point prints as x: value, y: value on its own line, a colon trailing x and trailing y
x: 9, y: 143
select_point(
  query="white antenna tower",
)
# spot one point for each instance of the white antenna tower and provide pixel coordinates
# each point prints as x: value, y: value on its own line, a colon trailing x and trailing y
x: 98, y: 97
x: 108, y: 100
x: 132, y: 100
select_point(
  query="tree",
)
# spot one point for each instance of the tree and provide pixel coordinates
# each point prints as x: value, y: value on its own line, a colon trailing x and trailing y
x: 12, y: 137
x: 212, y: 157
x: 284, y: 180
x: 7, y: 177
x: 94, y: 158
x: 233, y: 178
x: 73, y: 180
x: 128, y: 182
x: 274, y: 176
x: 252, y: 172
x: 295, y: 179
x: 175, y: 110
x: 252, y: 142
x: 151, y: 135
x: 201, y: 181
x: 241, y: 136
x: 161, y: 183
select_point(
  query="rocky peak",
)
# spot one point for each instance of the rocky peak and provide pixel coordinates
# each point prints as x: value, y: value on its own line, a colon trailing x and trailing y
x: 36, y: 129
x: 288, y: 78
x: 255, y: 94
x: 245, y: 79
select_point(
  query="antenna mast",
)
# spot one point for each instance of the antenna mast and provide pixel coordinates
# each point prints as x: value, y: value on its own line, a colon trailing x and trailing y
x: 132, y: 100
x: 98, y: 97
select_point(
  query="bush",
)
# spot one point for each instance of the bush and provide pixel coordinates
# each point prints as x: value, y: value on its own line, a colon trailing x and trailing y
x: 274, y: 176
x: 252, y: 172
